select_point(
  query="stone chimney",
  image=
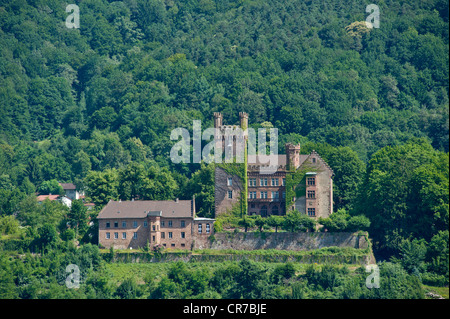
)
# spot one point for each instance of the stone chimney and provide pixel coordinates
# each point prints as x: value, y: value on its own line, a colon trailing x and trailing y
x: 292, y: 156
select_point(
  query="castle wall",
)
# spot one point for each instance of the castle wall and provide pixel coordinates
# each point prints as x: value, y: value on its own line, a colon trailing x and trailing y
x: 286, y: 241
x: 222, y: 202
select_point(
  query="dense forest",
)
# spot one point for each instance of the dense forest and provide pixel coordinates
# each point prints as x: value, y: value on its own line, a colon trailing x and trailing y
x: 95, y: 106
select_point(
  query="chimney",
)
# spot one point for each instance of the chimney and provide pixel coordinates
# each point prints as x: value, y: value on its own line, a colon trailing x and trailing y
x: 218, y: 119
x: 193, y: 206
x: 292, y: 156
x: 244, y: 120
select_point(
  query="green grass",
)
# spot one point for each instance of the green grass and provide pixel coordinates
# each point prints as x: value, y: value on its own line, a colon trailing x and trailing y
x: 443, y: 291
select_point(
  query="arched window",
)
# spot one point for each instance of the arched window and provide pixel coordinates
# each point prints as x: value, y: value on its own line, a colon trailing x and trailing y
x: 275, y: 210
x: 264, y: 211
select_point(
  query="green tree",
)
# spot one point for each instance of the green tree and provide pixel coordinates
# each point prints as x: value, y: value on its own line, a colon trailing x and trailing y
x: 395, y: 199
x: 260, y: 222
x: 131, y: 179
x: 128, y: 289
x: 77, y: 217
x: 295, y: 221
x: 249, y: 281
x: 102, y: 186
x: 246, y: 222
x: 48, y: 236
x: 51, y: 187
x: 9, y: 225
x: 275, y: 221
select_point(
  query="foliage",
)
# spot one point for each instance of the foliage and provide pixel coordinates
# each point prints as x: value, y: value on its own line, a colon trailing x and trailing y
x: 296, y: 221
x: 96, y: 106
x: 341, y: 221
x: 405, y: 193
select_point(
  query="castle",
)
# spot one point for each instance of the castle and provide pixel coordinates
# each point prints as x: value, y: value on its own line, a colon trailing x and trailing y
x: 307, y: 179
x: 267, y: 189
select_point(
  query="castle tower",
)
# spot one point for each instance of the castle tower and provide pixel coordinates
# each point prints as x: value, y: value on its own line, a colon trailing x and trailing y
x: 292, y: 156
x: 243, y: 120
x: 218, y: 118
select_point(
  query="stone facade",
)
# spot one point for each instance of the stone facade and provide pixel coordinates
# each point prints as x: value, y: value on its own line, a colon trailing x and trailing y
x: 133, y: 224
x: 228, y: 188
x: 287, y: 241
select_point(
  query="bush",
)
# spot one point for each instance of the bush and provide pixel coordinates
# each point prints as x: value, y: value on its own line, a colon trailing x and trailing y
x: 433, y: 279
x: 8, y: 225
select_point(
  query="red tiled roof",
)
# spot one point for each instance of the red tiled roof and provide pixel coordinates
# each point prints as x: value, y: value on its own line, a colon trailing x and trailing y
x: 41, y: 198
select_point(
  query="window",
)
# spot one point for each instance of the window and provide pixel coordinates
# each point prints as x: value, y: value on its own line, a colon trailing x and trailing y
x: 284, y: 181
x: 145, y: 224
x: 124, y: 224
x: 274, y: 181
x: 263, y: 182
x: 116, y: 224
x: 311, y: 212
x: 135, y: 224
x: 183, y: 234
x: 207, y: 228
x: 172, y: 245
x: 264, y: 211
x: 275, y: 195
x: 169, y: 223
x: 124, y: 235
x: 153, y: 227
x: 313, y: 159
x: 199, y: 228
x: 252, y: 195
x: 252, y: 182
x: 163, y: 223
x: 135, y: 235
x: 108, y: 235
x: 311, y: 194
x: 153, y: 238
x: 230, y: 194
x: 284, y: 195
x: 263, y: 194
x: 170, y: 234
x: 108, y: 224
x: 230, y: 181
x: 116, y: 235
x: 183, y: 245
x: 311, y: 181
x: 183, y: 223
x: 163, y: 235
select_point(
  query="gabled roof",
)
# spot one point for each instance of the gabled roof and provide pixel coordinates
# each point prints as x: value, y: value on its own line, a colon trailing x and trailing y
x: 143, y: 208
x: 41, y: 198
x: 67, y: 186
x: 320, y: 159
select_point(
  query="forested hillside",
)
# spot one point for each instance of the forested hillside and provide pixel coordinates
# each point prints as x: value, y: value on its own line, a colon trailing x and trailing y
x: 95, y: 106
